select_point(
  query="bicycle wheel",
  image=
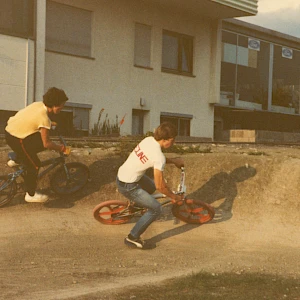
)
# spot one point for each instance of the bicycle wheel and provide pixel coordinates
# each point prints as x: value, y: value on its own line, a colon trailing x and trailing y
x: 193, y: 211
x: 8, y: 189
x: 65, y: 182
x: 113, y: 212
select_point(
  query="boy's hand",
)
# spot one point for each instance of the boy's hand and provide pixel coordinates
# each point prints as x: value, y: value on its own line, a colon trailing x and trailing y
x: 67, y: 151
x: 53, y: 125
x: 178, y: 162
x: 177, y: 199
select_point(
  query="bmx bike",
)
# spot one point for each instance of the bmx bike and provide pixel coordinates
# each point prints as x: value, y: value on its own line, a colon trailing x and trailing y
x: 67, y: 179
x: 115, y: 212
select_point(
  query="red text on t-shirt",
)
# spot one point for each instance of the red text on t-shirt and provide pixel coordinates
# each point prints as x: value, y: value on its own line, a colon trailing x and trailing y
x: 140, y: 154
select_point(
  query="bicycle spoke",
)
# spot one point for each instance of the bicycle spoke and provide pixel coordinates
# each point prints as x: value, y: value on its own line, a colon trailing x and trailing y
x: 113, y: 212
x: 193, y: 212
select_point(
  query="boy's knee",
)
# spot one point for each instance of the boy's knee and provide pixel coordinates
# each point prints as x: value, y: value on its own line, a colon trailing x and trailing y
x: 158, y: 210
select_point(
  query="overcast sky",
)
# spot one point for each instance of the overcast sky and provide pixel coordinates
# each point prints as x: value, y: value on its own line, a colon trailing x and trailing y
x: 279, y: 15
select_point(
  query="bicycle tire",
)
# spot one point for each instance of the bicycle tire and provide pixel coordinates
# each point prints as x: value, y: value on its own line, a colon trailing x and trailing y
x: 113, y: 212
x: 193, y: 211
x: 79, y: 176
x: 8, y: 189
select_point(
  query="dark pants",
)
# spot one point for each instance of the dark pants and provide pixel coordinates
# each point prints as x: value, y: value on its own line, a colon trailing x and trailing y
x: 26, y: 150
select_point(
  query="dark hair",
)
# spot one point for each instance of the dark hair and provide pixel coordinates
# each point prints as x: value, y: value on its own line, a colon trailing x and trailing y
x: 165, y: 131
x: 54, y: 97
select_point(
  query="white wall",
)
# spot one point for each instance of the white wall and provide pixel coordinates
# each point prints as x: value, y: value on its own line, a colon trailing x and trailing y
x: 110, y: 81
x: 16, y: 59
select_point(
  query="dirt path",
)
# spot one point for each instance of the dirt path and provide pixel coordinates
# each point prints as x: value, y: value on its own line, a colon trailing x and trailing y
x: 58, y: 251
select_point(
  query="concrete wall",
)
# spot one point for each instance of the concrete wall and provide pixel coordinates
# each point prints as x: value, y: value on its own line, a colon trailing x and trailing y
x: 16, y: 72
x: 111, y: 81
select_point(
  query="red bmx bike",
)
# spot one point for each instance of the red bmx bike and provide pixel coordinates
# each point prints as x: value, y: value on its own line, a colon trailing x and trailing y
x: 115, y: 212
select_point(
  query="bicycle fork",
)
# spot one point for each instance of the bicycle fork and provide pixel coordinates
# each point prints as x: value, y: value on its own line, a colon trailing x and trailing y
x: 67, y: 172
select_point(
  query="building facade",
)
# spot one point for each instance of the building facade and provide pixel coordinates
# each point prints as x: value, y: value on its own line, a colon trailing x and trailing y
x: 260, y: 80
x: 125, y: 65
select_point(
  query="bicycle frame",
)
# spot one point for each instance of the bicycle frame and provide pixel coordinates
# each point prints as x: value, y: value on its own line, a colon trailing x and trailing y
x: 67, y: 178
x: 52, y: 163
x: 181, y: 191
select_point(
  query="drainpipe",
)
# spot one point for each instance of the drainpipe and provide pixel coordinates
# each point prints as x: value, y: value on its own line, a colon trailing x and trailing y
x: 270, y: 84
x: 39, y: 57
x: 27, y: 74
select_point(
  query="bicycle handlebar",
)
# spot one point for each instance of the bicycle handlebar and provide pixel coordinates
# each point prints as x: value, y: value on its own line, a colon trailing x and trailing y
x: 62, y: 140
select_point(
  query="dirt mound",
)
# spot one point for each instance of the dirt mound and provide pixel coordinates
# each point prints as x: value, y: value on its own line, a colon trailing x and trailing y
x: 58, y: 246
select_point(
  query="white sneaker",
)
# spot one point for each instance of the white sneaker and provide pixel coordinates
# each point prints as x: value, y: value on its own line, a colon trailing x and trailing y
x: 37, y: 197
x: 11, y: 163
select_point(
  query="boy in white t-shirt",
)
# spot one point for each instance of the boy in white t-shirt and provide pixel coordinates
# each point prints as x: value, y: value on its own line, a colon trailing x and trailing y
x: 137, y: 187
x: 27, y: 133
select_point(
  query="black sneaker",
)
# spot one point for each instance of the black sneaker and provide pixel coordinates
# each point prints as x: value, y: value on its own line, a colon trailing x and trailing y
x: 134, y: 243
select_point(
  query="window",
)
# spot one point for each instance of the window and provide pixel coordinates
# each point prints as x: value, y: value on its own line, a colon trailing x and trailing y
x: 244, y: 71
x: 68, y: 29
x: 286, y: 80
x: 74, y: 119
x: 17, y: 17
x: 177, y: 53
x: 142, y: 46
x: 181, y: 121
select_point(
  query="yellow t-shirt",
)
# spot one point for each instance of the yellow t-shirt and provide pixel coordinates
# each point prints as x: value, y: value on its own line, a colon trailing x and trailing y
x: 28, y: 120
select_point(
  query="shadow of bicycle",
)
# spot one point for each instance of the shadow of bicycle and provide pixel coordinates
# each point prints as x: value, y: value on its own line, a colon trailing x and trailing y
x: 220, y: 187
x: 102, y: 174
x: 221, y: 191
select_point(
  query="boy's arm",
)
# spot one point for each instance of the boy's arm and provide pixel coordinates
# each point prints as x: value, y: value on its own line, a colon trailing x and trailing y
x: 161, y: 186
x: 47, y: 143
x: 177, y: 161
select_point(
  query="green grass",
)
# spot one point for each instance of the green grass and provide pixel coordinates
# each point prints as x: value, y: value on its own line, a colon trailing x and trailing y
x: 207, y: 286
x: 258, y: 153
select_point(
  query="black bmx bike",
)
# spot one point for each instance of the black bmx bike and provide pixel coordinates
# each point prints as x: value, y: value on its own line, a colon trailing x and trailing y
x: 67, y: 179
x: 115, y: 212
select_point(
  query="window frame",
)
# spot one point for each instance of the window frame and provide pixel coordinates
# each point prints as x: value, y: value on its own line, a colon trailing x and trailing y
x: 27, y: 13
x: 138, y: 50
x: 182, y: 41
x: 178, y: 120
x: 69, y: 51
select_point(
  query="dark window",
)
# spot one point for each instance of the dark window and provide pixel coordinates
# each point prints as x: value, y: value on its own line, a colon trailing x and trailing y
x: 68, y: 29
x: 177, y: 53
x: 142, y: 46
x: 286, y: 80
x: 183, y: 124
x: 17, y: 17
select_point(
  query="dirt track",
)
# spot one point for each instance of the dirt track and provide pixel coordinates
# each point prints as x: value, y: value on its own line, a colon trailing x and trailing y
x: 58, y: 251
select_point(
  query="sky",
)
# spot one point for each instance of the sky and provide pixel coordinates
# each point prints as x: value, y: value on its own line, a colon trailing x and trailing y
x: 278, y: 15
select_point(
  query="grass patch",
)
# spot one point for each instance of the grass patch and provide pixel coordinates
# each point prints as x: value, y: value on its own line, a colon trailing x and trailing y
x: 257, y: 153
x: 207, y: 286
x: 125, y: 147
x: 181, y: 149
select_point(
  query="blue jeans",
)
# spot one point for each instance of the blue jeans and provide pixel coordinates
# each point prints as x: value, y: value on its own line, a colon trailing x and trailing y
x: 140, y: 193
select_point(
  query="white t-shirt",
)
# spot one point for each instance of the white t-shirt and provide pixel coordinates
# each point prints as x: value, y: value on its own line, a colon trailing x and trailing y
x: 147, y: 154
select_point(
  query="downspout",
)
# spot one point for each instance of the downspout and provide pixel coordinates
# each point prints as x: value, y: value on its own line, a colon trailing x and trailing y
x: 27, y: 74
x: 35, y: 50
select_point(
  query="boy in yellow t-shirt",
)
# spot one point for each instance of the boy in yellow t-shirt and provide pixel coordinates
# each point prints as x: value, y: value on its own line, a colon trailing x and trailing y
x: 27, y: 133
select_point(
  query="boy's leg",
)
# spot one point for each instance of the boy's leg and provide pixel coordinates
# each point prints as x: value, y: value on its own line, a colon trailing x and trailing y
x: 27, y: 150
x: 144, y: 199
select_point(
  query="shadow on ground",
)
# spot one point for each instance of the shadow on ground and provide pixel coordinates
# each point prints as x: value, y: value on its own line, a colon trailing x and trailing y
x: 223, y: 186
x: 102, y: 173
